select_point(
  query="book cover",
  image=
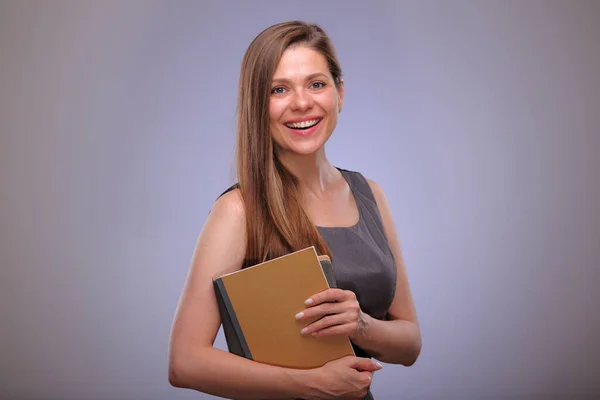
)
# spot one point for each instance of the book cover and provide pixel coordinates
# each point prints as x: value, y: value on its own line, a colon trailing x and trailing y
x: 258, y: 307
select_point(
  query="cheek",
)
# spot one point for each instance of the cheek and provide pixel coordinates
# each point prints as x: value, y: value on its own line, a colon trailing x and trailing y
x: 275, y: 110
x: 330, y: 103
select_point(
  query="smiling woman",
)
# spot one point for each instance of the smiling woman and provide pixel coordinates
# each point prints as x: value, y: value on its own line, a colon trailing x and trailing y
x: 305, y: 102
x: 289, y: 197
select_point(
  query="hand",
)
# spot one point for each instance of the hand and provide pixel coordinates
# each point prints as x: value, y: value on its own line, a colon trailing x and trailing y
x: 348, y: 377
x: 336, y: 311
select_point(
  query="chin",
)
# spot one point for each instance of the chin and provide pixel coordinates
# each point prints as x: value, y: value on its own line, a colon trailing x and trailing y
x: 306, y: 152
x: 305, y: 147
x: 302, y: 150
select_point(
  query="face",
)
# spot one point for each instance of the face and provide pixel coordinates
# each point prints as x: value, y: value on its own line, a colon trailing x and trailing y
x: 304, y: 102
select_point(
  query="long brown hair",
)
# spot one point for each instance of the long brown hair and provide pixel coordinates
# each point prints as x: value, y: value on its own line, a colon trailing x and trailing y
x: 276, y: 220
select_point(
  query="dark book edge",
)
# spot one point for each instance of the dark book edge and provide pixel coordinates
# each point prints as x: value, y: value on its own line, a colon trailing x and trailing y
x: 327, y: 268
x: 234, y: 337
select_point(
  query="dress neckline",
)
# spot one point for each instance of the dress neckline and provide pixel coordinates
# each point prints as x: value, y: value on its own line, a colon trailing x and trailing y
x: 356, y: 201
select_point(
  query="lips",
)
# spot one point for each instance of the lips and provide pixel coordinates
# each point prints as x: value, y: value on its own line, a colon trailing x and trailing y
x: 304, y: 123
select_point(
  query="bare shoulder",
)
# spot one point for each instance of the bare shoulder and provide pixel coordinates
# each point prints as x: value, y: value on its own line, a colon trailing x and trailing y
x: 376, y: 188
x: 382, y: 202
x: 229, y: 206
x: 386, y: 216
x: 224, y: 233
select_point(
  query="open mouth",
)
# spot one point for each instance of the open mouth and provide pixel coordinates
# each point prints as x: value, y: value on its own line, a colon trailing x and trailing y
x: 303, y: 124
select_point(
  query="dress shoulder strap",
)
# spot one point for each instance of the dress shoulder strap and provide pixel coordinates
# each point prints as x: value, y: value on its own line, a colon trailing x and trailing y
x: 229, y: 189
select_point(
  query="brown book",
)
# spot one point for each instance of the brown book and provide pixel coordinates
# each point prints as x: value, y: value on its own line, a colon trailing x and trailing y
x: 258, y: 307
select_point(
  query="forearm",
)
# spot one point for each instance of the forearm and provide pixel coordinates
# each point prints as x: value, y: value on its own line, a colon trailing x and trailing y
x: 393, y: 341
x: 222, y: 374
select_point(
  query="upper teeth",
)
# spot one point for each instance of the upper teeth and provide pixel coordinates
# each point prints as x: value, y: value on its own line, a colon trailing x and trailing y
x: 303, y: 124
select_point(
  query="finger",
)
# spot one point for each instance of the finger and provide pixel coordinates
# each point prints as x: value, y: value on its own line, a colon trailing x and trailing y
x: 323, y: 309
x: 329, y: 295
x: 325, y: 323
x: 364, y: 379
x: 336, y: 330
x: 365, y: 364
x: 367, y: 375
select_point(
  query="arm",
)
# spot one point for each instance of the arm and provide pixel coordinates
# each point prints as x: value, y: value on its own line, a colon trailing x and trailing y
x: 398, y: 339
x: 193, y: 361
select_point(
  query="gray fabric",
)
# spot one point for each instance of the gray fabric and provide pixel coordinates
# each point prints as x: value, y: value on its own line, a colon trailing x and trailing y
x: 362, y: 259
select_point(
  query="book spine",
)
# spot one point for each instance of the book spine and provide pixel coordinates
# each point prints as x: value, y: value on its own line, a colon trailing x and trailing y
x: 234, y: 335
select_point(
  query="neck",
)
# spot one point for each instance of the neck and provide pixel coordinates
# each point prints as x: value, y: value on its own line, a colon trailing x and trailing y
x: 314, y: 171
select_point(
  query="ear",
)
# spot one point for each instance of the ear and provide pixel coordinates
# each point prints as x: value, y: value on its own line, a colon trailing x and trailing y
x: 340, y: 91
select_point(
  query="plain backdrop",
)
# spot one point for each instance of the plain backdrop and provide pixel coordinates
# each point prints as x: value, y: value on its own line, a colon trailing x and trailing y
x: 480, y: 120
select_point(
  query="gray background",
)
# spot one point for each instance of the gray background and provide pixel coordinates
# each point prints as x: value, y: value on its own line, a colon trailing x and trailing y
x: 480, y: 119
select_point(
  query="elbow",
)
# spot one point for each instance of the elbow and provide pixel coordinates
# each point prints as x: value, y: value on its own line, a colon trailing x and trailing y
x: 406, y: 356
x: 176, y: 374
x: 410, y: 359
x: 410, y: 345
x: 407, y: 359
x: 179, y: 371
x: 413, y: 354
x: 187, y: 371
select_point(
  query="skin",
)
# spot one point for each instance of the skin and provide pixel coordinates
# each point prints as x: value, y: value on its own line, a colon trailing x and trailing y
x: 302, y: 86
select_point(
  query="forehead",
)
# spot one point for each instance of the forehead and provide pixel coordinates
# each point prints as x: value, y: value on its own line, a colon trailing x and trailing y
x: 300, y: 61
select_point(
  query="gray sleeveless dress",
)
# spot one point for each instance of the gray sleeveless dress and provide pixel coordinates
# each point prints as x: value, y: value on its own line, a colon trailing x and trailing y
x: 362, y: 259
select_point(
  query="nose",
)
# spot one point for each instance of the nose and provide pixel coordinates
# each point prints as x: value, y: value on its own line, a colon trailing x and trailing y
x: 301, y: 101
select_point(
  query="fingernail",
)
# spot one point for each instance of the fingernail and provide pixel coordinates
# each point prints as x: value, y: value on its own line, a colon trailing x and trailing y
x: 304, y: 330
x: 308, y: 302
x: 299, y: 315
x: 379, y: 365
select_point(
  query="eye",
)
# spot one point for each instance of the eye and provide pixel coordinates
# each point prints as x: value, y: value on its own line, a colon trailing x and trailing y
x: 317, y: 85
x: 277, y: 90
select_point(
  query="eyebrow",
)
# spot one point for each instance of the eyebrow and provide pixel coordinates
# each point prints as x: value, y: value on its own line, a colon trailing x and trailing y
x: 308, y: 78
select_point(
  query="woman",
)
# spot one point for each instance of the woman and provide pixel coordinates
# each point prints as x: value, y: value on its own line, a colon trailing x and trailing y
x: 290, y: 197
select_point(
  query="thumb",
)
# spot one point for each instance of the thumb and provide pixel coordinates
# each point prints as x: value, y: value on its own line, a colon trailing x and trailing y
x: 365, y: 364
